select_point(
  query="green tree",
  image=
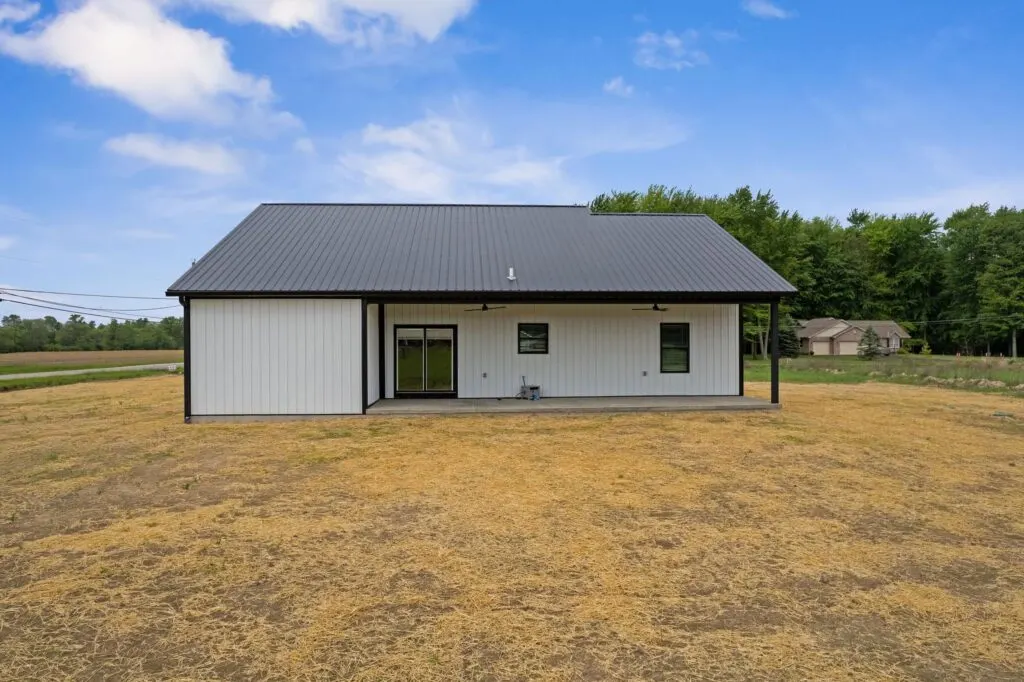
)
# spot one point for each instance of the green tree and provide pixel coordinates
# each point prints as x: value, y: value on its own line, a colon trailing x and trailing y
x: 76, y: 334
x: 870, y: 347
x: 905, y: 266
x: 789, y: 344
x: 968, y: 252
x: 1001, y: 285
x: 901, y: 267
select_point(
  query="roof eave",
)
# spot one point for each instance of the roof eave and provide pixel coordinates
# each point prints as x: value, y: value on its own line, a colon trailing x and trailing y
x: 506, y: 296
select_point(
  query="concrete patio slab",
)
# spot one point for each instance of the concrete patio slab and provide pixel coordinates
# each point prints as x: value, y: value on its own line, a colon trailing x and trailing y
x: 415, y: 406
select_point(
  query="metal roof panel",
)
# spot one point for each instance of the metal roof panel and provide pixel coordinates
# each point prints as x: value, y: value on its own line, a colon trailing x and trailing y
x: 363, y: 248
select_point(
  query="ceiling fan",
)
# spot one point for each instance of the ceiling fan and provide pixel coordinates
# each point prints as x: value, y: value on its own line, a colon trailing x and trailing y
x: 484, y: 308
x: 654, y: 308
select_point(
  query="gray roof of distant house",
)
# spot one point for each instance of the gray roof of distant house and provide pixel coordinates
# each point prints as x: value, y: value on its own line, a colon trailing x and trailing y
x: 294, y: 249
x: 818, y: 328
x: 881, y: 327
x: 811, y: 328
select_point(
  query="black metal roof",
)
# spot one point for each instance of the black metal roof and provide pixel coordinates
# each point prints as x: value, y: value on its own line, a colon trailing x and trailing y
x: 366, y: 249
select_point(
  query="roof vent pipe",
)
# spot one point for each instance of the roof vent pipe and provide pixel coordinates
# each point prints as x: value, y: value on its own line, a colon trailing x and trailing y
x: 511, y: 274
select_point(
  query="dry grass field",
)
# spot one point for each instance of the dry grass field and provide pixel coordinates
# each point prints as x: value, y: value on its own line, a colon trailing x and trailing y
x: 864, y: 532
x: 17, y: 363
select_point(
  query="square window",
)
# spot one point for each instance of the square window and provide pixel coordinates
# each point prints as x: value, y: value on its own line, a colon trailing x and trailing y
x: 533, y: 338
x: 675, y: 348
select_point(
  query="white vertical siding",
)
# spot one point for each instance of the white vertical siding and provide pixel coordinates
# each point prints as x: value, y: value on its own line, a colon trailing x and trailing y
x: 594, y: 350
x: 276, y: 356
x: 372, y: 354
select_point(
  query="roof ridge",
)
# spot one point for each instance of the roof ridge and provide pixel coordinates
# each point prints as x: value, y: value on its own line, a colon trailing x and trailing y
x: 646, y: 213
x: 415, y: 204
x: 456, y: 205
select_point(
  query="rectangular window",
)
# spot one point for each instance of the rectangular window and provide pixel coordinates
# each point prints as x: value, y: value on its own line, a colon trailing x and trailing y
x: 675, y: 348
x: 533, y: 338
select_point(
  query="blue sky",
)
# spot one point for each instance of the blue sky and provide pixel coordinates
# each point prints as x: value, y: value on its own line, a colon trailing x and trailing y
x: 136, y: 133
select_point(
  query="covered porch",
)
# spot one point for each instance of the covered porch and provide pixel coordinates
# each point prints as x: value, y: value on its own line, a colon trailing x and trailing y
x: 607, y: 354
x: 414, y: 406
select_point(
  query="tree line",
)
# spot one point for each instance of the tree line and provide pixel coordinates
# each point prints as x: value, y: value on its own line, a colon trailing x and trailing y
x: 957, y: 284
x: 21, y: 335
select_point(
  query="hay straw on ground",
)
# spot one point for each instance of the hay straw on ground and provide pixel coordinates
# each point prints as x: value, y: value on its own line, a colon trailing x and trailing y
x: 864, y: 532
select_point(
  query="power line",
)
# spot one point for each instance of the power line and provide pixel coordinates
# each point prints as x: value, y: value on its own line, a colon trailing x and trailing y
x: 64, y: 306
x: 69, y: 293
x: 76, y: 312
x: 81, y: 307
x: 980, y: 318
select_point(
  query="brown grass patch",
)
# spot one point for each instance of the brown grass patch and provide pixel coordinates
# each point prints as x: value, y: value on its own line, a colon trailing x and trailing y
x: 56, y: 360
x: 863, y: 532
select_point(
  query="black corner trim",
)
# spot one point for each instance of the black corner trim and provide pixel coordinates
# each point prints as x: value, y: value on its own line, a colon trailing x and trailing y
x: 187, y: 333
x: 742, y: 341
x: 381, y: 360
x: 365, y: 351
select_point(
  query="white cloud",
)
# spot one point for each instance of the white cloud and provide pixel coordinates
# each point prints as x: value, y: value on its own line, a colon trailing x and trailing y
x: 205, y: 157
x: 618, y: 86
x: 362, y: 23
x: 10, y: 213
x: 725, y: 36
x: 304, y: 145
x: 130, y: 48
x: 440, y: 159
x: 944, y: 200
x: 144, y: 234
x: 17, y: 11
x: 6, y: 242
x: 765, y: 9
x: 461, y: 154
x: 669, y: 50
x: 526, y: 172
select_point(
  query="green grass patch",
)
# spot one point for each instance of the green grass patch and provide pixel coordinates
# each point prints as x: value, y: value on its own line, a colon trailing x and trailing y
x: 761, y: 371
x: 44, y: 382
x: 982, y: 374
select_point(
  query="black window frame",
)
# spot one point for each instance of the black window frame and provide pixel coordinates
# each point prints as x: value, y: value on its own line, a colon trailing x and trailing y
x: 519, y: 338
x: 661, y: 347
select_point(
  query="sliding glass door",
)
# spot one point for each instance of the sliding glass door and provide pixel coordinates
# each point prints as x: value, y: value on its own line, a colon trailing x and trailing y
x: 425, y: 361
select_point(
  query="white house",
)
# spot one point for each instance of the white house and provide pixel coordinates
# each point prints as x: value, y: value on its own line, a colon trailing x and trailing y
x: 327, y: 309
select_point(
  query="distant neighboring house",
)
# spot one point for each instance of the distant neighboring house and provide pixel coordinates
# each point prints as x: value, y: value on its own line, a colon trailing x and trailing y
x: 832, y: 336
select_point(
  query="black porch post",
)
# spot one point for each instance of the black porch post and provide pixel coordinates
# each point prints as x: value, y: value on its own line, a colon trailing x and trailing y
x: 775, y: 351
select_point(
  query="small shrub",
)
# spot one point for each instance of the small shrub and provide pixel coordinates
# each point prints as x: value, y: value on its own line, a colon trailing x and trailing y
x: 926, y: 349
